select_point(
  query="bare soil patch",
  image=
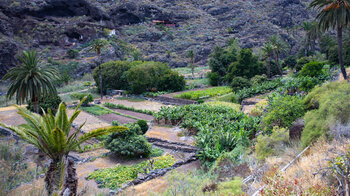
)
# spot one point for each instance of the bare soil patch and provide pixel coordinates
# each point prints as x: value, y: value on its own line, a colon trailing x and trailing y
x: 121, y: 119
x: 135, y: 114
x: 9, y: 116
x: 91, y: 122
x: 144, y: 105
x: 165, y: 133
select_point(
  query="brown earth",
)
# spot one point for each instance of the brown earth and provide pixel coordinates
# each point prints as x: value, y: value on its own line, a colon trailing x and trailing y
x: 91, y: 122
x: 9, y: 116
x: 165, y: 133
x: 144, y: 105
x: 121, y: 119
x: 135, y: 114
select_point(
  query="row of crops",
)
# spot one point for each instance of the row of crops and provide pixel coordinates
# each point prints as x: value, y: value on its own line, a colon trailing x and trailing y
x: 206, y: 93
x: 217, y: 129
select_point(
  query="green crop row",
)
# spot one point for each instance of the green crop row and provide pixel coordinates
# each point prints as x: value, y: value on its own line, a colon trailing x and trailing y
x: 206, y: 93
x: 115, y: 177
x: 217, y: 129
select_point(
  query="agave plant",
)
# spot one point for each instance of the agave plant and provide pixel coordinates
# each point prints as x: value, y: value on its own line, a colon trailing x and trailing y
x: 54, y: 136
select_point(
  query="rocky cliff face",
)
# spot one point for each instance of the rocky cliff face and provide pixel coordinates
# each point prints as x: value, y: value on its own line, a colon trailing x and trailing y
x: 54, y: 26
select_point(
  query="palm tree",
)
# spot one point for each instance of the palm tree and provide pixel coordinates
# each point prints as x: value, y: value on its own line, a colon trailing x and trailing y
x: 97, y: 46
x: 268, y: 49
x: 30, y: 81
x: 190, y: 54
x: 326, y: 43
x: 334, y: 14
x: 280, y: 46
x: 53, y: 136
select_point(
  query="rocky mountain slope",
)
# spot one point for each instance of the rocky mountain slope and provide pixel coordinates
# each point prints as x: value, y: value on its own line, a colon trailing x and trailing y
x: 54, y: 26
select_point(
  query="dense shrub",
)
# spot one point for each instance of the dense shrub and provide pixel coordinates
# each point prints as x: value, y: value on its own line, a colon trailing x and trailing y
x: 143, y: 125
x: 153, y: 76
x: 247, y: 66
x: 259, y: 108
x: 283, y: 111
x: 113, y: 75
x: 72, y: 53
x: 272, y: 145
x: 301, y: 62
x: 239, y: 82
x: 129, y: 143
x: 258, y: 79
x: 332, y: 101
x: 50, y: 102
x: 290, y: 62
x: 220, y: 60
x: 214, y: 78
x: 312, y: 69
x: 80, y: 96
x: 171, y: 82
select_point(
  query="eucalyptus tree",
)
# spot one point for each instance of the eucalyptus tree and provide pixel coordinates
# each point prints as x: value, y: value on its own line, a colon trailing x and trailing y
x: 334, y: 14
x: 29, y: 81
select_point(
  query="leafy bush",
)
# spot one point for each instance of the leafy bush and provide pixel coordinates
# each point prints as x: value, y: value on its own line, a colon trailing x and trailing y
x: 239, y: 82
x: 143, y: 125
x: 171, y: 82
x: 153, y: 76
x: 115, y: 177
x: 301, y: 62
x: 113, y: 75
x: 312, y: 69
x: 115, y: 123
x: 298, y: 84
x: 72, y: 53
x: 220, y: 60
x: 80, y: 96
x: 247, y: 66
x: 214, y: 78
x: 272, y: 145
x: 87, y: 83
x: 283, y: 111
x: 290, y: 62
x: 333, y: 107
x: 259, y: 108
x: 259, y: 79
x: 51, y: 102
x: 210, y: 92
x: 129, y: 143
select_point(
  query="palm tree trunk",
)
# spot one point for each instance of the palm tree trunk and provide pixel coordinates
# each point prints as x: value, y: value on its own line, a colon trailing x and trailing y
x: 100, y: 70
x: 340, y: 51
x: 277, y: 63
x: 70, y: 184
x: 53, y: 177
x: 35, y: 102
x: 269, y: 66
x: 306, y: 45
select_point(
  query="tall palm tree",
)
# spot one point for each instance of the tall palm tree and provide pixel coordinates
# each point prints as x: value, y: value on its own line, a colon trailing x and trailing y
x: 268, y: 49
x: 30, y: 81
x: 326, y: 43
x: 334, y: 14
x: 312, y: 33
x: 53, y: 135
x: 280, y: 46
x: 97, y: 46
x: 190, y: 54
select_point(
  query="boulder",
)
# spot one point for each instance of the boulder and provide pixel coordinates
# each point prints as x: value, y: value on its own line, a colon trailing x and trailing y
x: 296, y: 129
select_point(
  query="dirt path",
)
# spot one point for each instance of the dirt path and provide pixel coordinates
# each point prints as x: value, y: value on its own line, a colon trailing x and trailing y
x: 9, y: 116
